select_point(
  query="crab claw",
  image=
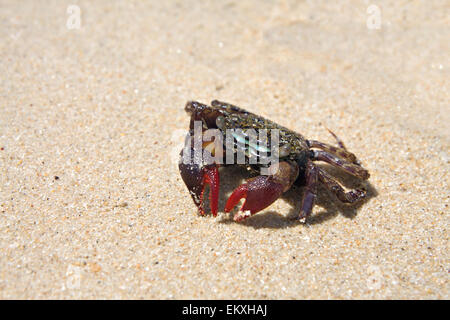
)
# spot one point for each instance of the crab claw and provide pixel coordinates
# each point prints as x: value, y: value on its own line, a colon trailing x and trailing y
x: 258, y: 192
x: 211, y: 177
x: 196, y: 178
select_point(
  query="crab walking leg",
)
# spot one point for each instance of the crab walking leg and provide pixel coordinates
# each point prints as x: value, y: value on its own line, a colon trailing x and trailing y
x: 338, y: 140
x: 262, y: 191
x: 340, y: 152
x: 310, y: 192
x: 332, y: 185
x: 342, y: 146
x: 349, y: 167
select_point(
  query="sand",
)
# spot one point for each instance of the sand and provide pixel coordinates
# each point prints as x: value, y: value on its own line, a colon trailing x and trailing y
x: 91, y: 122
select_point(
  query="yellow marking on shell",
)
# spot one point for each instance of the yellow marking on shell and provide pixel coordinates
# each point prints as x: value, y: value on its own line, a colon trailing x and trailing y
x: 210, y: 147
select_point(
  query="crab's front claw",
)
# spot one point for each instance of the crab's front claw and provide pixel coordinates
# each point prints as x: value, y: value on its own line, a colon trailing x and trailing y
x: 196, y: 174
x: 196, y: 178
x: 258, y: 192
x: 262, y: 191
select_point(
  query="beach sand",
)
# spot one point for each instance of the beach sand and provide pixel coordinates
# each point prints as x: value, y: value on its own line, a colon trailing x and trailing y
x: 91, y: 123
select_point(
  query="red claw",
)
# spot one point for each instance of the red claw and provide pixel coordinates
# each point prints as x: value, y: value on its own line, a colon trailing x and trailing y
x: 259, y: 193
x: 196, y: 177
x: 211, y: 177
x: 239, y: 193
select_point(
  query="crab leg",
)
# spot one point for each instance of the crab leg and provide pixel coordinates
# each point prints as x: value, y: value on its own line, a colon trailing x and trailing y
x: 340, y: 152
x: 349, y: 167
x: 262, y: 191
x: 310, y: 193
x: 332, y: 185
x: 338, y: 140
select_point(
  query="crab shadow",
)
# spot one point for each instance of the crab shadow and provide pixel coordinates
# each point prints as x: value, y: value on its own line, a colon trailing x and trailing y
x: 231, y: 177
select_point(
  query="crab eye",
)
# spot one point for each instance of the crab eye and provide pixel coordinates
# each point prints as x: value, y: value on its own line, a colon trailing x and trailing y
x: 220, y: 122
x: 285, y: 150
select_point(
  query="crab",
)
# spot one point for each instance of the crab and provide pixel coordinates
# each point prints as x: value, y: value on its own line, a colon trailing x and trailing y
x: 296, y: 165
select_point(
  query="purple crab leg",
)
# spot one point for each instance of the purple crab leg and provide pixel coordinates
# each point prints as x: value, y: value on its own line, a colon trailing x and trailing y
x: 332, y: 185
x: 352, y: 168
x: 340, y: 152
x: 338, y: 140
x: 310, y: 192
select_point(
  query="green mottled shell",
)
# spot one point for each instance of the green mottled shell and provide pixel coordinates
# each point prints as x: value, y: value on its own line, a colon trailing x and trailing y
x: 233, y: 117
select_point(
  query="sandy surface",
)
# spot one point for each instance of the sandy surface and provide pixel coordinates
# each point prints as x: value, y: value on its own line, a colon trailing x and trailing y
x: 91, y: 121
